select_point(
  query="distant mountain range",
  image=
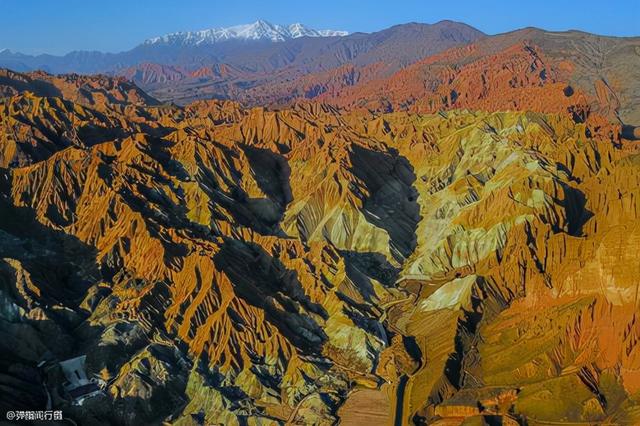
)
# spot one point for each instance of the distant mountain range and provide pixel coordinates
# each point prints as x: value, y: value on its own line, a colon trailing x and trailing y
x: 259, y: 47
x: 259, y: 30
x: 218, y: 43
x: 419, y: 67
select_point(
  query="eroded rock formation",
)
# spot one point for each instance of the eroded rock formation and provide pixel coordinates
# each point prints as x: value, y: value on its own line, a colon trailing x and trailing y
x: 226, y: 265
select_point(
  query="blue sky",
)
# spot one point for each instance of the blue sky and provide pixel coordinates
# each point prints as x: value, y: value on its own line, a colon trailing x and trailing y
x: 37, y: 26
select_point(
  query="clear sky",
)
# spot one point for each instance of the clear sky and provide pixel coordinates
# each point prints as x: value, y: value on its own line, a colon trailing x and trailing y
x: 51, y: 26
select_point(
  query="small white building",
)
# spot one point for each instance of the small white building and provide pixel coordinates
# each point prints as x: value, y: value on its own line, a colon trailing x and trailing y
x: 78, y: 386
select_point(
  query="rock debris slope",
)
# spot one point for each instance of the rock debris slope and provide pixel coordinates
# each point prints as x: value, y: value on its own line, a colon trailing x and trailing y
x: 245, y: 266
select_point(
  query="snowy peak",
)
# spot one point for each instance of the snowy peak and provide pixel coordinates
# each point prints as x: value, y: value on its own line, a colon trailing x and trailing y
x: 259, y: 30
x: 298, y: 30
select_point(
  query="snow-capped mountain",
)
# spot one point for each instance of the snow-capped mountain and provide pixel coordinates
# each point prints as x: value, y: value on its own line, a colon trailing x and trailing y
x: 259, y: 30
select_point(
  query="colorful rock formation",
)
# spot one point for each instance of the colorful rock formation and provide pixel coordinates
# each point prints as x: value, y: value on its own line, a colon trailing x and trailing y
x: 467, y: 256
